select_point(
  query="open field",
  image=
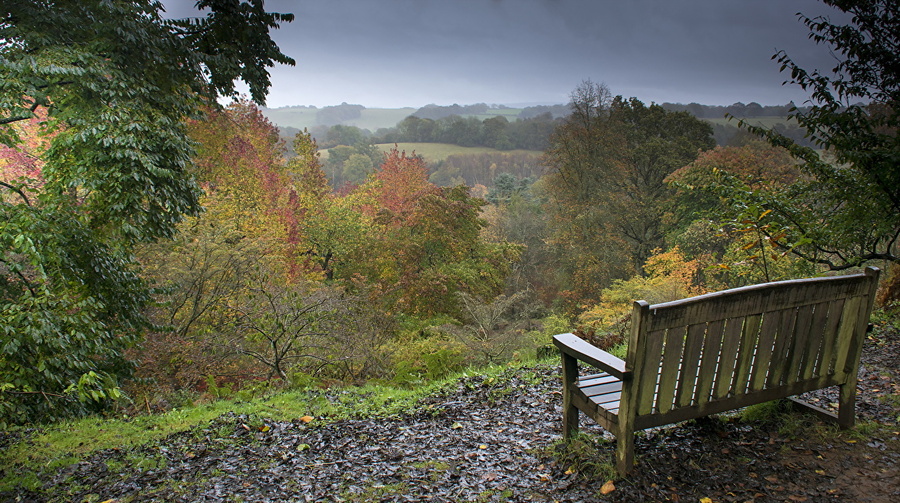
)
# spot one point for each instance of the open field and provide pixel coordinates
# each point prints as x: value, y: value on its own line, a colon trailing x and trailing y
x: 435, y: 152
x: 375, y: 118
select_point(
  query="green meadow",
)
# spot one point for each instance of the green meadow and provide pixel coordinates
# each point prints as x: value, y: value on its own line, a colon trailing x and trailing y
x: 435, y: 152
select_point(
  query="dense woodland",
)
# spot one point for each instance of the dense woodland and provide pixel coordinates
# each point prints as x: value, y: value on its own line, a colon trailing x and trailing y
x: 156, y: 247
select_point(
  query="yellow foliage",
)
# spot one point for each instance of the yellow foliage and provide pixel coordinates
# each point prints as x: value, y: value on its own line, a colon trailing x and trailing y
x: 669, y: 277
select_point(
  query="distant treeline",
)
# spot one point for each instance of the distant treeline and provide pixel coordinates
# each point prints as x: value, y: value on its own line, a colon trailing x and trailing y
x: 495, y: 132
x: 529, y: 129
x: 738, y: 110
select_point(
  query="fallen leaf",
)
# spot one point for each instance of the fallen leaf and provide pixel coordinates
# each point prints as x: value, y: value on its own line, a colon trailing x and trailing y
x: 306, y: 419
x: 264, y: 428
x: 570, y: 471
x: 482, y: 446
x: 820, y: 472
x: 544, y: 477
x: 456, y: 425
x: 771, y: 478
x: 797, y: 497
x: 608, y: 487
x: 490, y: 476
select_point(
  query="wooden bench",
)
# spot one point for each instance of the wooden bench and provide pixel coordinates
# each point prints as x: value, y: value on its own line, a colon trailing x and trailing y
x: 722, y: 351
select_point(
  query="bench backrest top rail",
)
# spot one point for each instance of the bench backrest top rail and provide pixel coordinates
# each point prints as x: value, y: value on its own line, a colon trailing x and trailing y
x: 755, y: 299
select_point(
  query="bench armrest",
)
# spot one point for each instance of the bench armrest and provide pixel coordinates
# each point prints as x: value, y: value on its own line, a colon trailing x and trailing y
x: 580, y: 349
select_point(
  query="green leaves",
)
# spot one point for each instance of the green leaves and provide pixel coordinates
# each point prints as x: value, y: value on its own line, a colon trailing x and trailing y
x: 847, y: 210
x: 110, y: 85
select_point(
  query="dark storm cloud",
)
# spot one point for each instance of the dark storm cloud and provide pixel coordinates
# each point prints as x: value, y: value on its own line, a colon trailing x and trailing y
x: 414, y: 52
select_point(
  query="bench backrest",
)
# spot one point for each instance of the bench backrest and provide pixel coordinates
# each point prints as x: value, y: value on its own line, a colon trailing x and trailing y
x: 775, y: 339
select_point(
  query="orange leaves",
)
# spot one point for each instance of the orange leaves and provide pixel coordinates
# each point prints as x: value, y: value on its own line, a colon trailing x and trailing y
x: 400, y: 182
x: 608, y: 487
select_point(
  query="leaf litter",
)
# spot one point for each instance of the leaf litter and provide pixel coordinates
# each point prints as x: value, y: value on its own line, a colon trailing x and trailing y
x: 497, y: 439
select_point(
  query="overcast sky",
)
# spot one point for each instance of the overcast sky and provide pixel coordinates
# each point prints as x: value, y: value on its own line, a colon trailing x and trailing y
x: 409, y: 53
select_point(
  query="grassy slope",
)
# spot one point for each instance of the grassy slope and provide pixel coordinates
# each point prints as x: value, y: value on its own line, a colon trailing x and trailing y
x: 35, y: 455
x: 292, y: 116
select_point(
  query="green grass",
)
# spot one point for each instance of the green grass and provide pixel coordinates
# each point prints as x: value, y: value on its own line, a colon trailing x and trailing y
x: 39, y: 454
x: 62, y: 444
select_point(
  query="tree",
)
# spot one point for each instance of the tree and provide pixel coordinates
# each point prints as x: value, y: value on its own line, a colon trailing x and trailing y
x: 279, y: 325
x: 115, y: 81
x: 607, y: 165
x: 423, y: 242
x: 847, y: 211
x: 709, y: 227
x: 658, y: 143
x: 489, y: 330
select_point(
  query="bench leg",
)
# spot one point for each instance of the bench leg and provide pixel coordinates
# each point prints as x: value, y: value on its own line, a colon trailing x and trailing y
x: 570, y: 412
x: 570, y: 416
x: 624, y: 452
x: 847, y: 406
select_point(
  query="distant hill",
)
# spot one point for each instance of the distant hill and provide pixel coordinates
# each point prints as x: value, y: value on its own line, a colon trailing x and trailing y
x: 300, y: 117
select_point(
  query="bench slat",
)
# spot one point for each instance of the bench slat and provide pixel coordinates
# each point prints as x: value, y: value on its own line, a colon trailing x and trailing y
x: 601, y: 389
x: 782, y: 346
x: 764, y: 349
x: 687, y: 380
x: 728, y: 359
x: 799, y: 344
x: 591, y: 380
x: 826, y: 361
x: 648, y: 381
x: 845, y: 337
x: 749, y: 337
x: 814, y: 345
x: 709, y: 363
x: 671, y: 363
